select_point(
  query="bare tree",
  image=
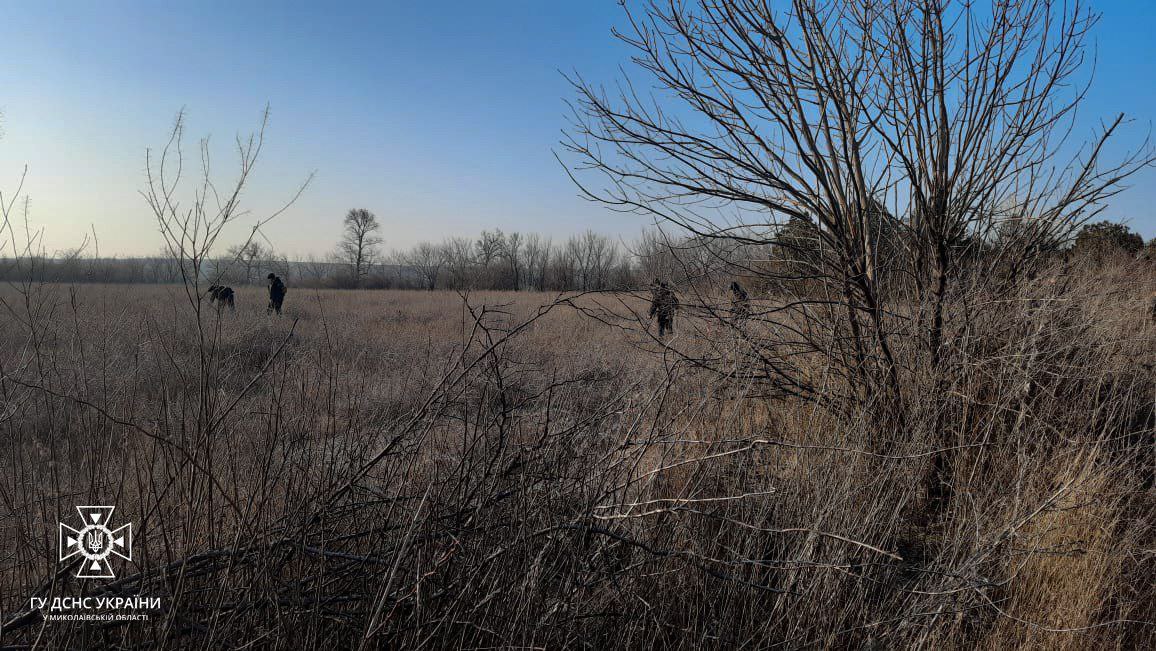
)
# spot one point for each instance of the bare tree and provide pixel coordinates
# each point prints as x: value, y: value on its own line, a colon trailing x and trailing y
x: 946, y: 115
x: 489, y: 247
x: 249, y: 256
x: 315, y: 269
x: 427, y: 260
x: 512, y: 252
x: 655, y: 256
x: 563, y: 271
x: 537, y: 257
x: 190, y: 229
x: 360, y: 246
x: 591, y: 257
x: 459, y: 261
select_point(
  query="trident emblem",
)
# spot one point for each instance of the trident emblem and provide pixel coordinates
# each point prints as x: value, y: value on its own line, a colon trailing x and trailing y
x: 95, y: 541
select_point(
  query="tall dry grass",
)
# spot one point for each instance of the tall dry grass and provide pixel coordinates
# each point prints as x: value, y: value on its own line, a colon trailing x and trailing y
x: 511, y: 470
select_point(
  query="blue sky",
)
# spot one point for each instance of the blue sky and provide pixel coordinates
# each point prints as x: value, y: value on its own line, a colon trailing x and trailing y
x: 440, y: 117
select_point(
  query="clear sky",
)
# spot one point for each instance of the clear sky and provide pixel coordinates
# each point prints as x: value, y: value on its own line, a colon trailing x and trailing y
x: 440, y: 116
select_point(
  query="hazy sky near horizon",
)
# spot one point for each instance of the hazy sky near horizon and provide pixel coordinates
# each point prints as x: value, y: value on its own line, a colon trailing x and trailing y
x: 441, y: 117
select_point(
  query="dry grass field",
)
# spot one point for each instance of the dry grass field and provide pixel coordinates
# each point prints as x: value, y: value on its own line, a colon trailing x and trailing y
x: 407, y: 469
x: 909, y: 401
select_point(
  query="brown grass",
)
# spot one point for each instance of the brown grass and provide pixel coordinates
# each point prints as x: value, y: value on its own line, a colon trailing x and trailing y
x: 407, y: 469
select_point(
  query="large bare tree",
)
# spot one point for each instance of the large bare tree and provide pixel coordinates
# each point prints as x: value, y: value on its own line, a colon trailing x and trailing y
x: 360, y: 244
x: 939, y: 119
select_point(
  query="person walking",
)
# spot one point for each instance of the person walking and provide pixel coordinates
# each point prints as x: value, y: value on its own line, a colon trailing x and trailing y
x: 276, y: 293
x: 663, y: 305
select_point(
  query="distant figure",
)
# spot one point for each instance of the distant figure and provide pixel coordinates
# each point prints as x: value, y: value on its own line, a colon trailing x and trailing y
x: 276, y: 294
x: 1152, y: 299
x: 740, y: 302
x: 222, y: 296
x: 663, y: 305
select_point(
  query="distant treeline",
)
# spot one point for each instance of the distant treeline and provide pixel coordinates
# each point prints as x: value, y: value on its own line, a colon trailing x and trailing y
x: 520, y: 262
x: 495, y: 260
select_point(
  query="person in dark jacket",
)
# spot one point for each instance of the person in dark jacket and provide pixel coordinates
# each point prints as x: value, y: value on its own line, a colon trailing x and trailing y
x: 276, y: 293
x: 663, y: 305
x: 222, y: 296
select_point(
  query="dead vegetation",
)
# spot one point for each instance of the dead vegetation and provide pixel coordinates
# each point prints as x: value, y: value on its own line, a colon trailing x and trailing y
x: 928, y: 430
x: 412, y: 469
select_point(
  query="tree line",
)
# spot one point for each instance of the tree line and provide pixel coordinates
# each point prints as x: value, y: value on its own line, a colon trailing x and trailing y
x: 515, y: 261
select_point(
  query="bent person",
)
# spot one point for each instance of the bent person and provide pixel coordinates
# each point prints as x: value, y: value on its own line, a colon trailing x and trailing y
x: 276, y: 294
x: 222, y: 296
